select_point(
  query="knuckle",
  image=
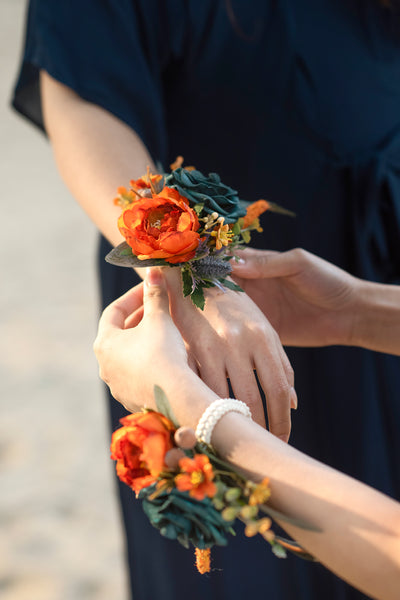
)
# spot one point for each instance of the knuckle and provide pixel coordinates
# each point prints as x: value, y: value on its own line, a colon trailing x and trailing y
x: 260, y: 259
x: 283, y: 390
x: 155, y: 292
x: 98, y: 346
x: 229, y: 333
x: 260, y: 330
x: 103, y: 374
x: 280, y: 427
x: 300, y: 255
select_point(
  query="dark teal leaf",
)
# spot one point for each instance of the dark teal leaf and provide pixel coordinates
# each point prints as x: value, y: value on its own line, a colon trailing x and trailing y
x: 169, y: 531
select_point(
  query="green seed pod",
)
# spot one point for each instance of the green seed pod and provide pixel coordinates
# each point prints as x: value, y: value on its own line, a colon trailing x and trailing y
x: 248, y: 512
x: 229, y: 513
x: 233, y: 494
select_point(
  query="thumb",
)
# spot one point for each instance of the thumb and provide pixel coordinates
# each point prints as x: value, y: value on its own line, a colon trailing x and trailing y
x: 155, y: 294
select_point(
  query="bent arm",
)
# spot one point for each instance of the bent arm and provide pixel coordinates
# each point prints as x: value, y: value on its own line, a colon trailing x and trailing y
x: 359, y: 538
x: 311, y: 302
x: 359, y: 528
x: 95, y: 152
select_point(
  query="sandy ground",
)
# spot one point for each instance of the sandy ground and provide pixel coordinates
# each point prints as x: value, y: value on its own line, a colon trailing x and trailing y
x: 60, y: 535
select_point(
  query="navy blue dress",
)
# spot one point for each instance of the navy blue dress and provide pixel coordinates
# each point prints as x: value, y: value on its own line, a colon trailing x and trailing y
x: 297, y: 101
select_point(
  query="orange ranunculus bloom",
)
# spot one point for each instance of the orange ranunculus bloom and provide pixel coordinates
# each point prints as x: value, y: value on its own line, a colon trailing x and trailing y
x: 163, y: 226
x: 196, y: 477
x: 139, y: 447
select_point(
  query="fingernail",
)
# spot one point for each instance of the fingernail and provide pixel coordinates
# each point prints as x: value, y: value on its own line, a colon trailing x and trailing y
x: 293, y: 399
x: 153, y: 276
x: 241, y: 261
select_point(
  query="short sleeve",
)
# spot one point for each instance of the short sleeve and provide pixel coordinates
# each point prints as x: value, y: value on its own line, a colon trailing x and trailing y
x: 111, y: 53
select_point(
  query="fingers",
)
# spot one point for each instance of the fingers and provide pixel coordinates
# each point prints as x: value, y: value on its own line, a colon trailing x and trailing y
x: 115, y: 315
x: 245, y: 388
x: 213, y: 374
x: 277, y: 379
x: 155, y: 294
x: 268, y: 263
x: 134, y: 319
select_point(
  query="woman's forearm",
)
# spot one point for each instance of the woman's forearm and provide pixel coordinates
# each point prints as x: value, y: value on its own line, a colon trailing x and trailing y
x: 377, y: 321
x: 95, y: 152
x: 359, y: 537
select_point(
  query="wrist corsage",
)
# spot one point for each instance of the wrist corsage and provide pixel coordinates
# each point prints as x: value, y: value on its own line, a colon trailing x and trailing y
x: 188, y: 220
x: 188, y: 493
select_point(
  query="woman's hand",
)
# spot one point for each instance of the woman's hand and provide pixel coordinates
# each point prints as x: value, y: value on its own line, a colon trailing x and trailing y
x: 231, y: 338
x: 309, y: 301
x: 138, y: 345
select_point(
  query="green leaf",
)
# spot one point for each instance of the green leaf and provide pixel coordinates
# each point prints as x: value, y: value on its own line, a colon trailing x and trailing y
x: 187, y: 282
x: 231, y: 285
x: 236, y: 228
x: 198, y: 297
x: 163, y: 405
x: 246, y: 236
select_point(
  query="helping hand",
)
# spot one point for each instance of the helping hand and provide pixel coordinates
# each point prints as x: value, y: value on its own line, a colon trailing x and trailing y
x: 138, y: 345
x: 309, y: 301
x: 231, y: 338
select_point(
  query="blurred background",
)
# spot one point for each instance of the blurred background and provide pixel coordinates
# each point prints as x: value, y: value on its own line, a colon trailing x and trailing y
x: 60, y: 535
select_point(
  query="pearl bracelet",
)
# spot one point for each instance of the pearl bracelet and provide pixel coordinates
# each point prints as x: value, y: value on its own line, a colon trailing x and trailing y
x: 213, y: 414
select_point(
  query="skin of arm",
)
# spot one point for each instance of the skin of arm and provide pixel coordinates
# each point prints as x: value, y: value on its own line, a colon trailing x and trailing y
x: 358, y: 534
x: 96, y: 153
x: 311, y: 302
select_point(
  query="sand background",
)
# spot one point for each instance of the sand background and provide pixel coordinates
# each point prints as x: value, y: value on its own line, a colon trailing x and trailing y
x: 60, y: 534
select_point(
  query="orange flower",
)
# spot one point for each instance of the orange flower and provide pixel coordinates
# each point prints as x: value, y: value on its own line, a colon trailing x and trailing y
x: 203, y: 559
x: 163, y: 226
x: 125, y: 197
x: 222, y: 234
x: 147, y: 181
x: 178, y: 162
x: 254, y: 210
x: 139, y: 447
x: 196, y: 477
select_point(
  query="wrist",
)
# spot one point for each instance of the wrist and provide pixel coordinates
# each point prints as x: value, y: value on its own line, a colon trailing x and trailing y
x: 353, y: 316
x: 377, y: 317
x: 188, y: 396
